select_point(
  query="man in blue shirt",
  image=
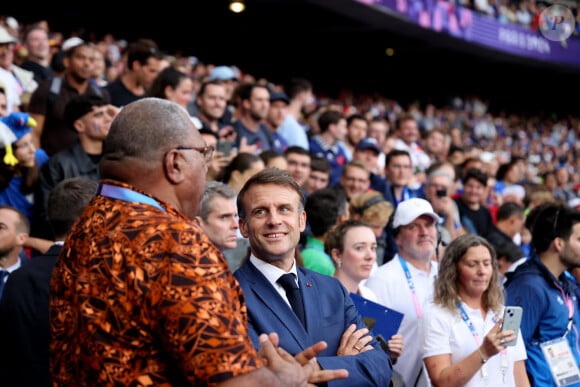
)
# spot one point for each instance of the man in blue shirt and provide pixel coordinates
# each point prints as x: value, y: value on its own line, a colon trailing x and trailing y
x: 329, y: 143
x: 551, y: 321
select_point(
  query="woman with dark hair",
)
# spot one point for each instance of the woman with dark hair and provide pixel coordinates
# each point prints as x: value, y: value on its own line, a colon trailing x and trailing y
x: 241, y: 168
x: 463, y: 340
x: 173, y: 85
x: 274, y: 159
x: 20, y: 162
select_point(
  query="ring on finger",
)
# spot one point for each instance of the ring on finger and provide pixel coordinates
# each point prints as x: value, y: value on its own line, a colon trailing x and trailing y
x: 357, y: 348
x: 501, y: 341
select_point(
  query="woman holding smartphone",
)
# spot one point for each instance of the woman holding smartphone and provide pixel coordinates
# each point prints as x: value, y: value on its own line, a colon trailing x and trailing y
x: 463, y: 340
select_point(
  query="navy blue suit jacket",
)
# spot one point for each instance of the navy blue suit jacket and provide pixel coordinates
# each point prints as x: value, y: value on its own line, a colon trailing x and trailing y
x: 329, y: 311
x: 24, y: 323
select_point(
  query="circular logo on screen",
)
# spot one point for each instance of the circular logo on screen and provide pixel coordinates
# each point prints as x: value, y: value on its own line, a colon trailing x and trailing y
x: 557, y: 23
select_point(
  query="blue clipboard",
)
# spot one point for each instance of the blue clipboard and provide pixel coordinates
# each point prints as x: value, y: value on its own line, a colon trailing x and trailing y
x: 378, y: 318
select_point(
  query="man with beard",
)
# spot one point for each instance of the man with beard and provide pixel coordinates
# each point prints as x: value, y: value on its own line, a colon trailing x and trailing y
x: 405, y: 283
x: 254, y: 105
x: 548, y: 296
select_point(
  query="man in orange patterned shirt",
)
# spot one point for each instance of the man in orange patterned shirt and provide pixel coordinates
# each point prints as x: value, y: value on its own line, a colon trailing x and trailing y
x: 139, y: 295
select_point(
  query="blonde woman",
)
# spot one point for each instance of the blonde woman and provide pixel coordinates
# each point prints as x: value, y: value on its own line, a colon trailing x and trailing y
x: 372, y: 209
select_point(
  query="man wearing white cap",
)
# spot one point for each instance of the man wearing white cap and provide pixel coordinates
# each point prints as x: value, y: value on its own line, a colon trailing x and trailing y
x: 514, y: 193
x: 24, y: 79
x: 8, y: 80
x: 405, y: 283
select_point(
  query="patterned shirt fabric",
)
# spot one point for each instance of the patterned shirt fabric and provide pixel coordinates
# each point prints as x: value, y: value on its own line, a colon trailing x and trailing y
x: 140, y: 296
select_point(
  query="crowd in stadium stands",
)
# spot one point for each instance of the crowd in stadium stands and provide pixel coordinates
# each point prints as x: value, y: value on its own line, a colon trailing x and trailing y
x: 482, y: 173
x: 526, y: 13
x: 456, y: 15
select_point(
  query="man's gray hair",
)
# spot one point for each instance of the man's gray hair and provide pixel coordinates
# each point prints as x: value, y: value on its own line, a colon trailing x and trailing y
x: 437, y: 173
x: 146, y: 127
x: 213, y: 189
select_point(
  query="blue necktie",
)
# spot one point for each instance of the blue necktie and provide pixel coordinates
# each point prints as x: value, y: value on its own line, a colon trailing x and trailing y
x: 289, y: 284
x: 3, y: 275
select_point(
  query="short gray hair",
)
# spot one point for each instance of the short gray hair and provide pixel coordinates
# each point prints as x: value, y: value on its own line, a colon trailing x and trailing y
x: 437, y: 173
x: 146, y: 127
x: 213, y: 189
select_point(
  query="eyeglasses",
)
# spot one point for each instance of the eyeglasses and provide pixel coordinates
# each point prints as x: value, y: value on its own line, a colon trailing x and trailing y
x: 207, y: 151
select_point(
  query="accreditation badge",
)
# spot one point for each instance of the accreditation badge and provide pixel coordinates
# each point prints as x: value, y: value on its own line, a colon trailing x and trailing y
x: 561, y: 361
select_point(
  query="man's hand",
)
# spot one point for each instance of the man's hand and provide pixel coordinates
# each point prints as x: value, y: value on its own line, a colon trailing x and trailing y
x: 354, y: 341
x: 112, y: 110
x: 245, y: 148
x: 300, y: 370
x: 447, y: 207
x: 218, y: 164
x: 227, y: 133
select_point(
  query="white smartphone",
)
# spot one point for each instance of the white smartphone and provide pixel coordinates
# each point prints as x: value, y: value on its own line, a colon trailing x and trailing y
x: 512, y: 318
